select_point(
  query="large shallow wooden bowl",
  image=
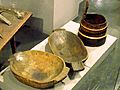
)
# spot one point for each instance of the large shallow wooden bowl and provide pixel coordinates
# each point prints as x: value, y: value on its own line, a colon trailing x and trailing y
x: 68, y: 46
x: 38, y: 69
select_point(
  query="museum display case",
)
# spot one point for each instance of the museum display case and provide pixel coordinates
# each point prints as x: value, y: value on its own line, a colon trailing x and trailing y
x: 64, y: 60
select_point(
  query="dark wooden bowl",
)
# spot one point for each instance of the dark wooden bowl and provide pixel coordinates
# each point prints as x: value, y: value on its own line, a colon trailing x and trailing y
x: 95, y: 26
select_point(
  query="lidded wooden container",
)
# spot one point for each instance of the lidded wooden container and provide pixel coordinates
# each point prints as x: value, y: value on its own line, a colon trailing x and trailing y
x: 93, y: 28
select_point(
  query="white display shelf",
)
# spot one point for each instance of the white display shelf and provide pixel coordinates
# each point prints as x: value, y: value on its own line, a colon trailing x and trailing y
x: 95, y: 54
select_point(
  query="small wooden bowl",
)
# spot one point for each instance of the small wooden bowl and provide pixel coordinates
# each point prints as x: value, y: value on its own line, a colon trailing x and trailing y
x: 68, y: 46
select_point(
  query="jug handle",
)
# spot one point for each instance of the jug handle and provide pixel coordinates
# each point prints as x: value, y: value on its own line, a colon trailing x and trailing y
x: 86, y: 9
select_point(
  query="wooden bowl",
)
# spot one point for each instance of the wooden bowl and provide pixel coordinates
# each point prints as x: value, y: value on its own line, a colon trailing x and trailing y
x: 93, y: 26
x: 38, y: 69
x: 68, y: 46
